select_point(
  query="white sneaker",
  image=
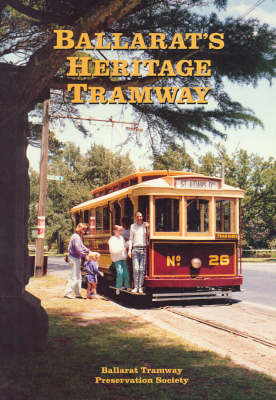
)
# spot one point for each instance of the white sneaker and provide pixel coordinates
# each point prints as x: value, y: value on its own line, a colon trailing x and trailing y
x: 135, y: 290
x: 117, y: 291
x: 68, y: 296
x: 140, y: 290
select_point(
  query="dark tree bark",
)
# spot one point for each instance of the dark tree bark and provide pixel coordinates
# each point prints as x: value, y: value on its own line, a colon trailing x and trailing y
x: 23, y: 322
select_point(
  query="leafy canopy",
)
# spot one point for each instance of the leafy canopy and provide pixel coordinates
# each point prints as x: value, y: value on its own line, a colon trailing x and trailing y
x: 26, y: 37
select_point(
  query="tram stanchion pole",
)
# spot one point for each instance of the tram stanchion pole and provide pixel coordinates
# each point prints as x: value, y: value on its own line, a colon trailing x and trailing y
x: 39, y: 254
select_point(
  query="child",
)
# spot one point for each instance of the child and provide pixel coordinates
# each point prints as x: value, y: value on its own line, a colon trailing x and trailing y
x: 92, y: 270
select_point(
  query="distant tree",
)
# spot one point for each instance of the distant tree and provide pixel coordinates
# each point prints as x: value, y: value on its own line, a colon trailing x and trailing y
x: 81, y: 174
x: 249, y: 172
x: 174, y: 158
x: 104, y: 166
x: 258, y: 178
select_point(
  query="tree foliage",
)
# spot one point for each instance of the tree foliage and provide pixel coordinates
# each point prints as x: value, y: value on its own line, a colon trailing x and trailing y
x: 175, y: 158
x: 246, y: 171
x: 34, y: 67
x: 81, y: 174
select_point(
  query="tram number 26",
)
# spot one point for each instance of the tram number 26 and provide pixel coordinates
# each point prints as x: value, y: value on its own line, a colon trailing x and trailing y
x: 215, y: 259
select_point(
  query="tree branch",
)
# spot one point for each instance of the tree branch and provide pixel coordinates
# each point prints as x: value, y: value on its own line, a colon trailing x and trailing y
x: 36, y: 14
x: 60, y: 83
x: 45, y: 62
x: 3, y: 4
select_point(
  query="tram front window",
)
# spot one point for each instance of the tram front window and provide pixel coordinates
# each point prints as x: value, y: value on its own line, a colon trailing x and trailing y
x: 197, y: 215
x: 225, y: 216
x: 166, y: 215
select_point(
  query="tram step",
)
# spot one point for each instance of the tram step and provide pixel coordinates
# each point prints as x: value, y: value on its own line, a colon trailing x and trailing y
x: 191, y: 295
x: 128, y: 292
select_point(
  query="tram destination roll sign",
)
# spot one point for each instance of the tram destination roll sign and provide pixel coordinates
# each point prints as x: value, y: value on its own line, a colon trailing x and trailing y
x: 196, y: 183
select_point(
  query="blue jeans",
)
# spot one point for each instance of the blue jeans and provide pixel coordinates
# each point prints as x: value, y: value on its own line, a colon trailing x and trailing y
x: 138, y: 264
x: 122, y: 275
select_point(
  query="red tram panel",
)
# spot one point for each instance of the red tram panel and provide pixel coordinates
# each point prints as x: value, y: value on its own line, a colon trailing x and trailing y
x: 170, y: 264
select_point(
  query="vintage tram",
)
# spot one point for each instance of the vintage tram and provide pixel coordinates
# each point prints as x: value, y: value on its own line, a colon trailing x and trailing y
x: 194, y: 231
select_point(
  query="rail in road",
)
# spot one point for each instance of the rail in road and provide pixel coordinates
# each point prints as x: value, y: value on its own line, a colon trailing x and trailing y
x: 222, y: 327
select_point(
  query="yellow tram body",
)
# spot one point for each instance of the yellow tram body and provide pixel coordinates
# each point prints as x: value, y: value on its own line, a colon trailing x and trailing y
x: 191, y: 216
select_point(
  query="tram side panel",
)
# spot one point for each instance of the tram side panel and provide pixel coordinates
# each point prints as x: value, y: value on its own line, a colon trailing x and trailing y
x: 170, y: 265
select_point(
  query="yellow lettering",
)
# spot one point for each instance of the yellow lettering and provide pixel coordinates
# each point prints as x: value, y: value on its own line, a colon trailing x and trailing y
x: 201, y: 67
x: 193, y: 37
x: 97, y: 95
x: 213, y: 259
x: 120, y: 68
x: 100, y: 45
x: 167, y: 69
x: 151, y: 66
x: 76, y: 88
x: 216, y: 41
x: 157, y: 41
x: 117, y: 42
x: 188, y: 70
x: 170, y: 261
x: 77, y: 63
x: 177, y: 42
x: 201, y: 92
x: 224, y: 259
x: 136, y: 67
x: 101, y: 68
x: 117, y: 94
x: 138, y: 40
x: 84, y: 42
x: 166, y: 94
x: 186, y: 94
x: 64, y: 39
x: 136, y: 97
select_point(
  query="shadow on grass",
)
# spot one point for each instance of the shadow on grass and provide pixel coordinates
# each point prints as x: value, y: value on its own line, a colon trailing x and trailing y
x: 75, y: 356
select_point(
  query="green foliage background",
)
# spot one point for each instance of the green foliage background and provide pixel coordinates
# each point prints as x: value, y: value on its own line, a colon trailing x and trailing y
x: 98, y: 166
x: 81, y: 173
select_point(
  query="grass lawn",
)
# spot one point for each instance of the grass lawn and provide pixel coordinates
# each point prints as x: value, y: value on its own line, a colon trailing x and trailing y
x: 86, y: 336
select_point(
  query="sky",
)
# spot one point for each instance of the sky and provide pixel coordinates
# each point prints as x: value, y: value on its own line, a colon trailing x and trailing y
x: 261, y: 99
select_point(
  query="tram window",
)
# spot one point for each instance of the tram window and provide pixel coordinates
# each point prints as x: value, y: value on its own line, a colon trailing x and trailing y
x: 106, y: 219
x: 117, y: 210
x: 128, y: 210
x: 143, y: 206
x: 225, y: 216
x: 197, y: 215
x: 86, y: 216
x: 167, y: 215
x: 78, y: 217
x: 99, y: 219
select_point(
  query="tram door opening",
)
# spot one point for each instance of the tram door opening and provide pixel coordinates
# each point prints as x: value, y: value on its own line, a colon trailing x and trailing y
x: 143, y: 206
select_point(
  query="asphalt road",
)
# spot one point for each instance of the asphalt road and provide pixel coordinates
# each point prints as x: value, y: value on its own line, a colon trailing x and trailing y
x: 259, y: 280
x: 259, y: 284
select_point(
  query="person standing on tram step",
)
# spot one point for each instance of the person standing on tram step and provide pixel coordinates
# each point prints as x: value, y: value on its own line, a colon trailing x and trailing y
x: 76, y: 250
x: 119, y: 257
x: 137, y: 250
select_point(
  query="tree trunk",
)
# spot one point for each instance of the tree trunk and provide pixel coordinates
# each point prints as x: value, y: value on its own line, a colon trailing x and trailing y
x: 23, y: 322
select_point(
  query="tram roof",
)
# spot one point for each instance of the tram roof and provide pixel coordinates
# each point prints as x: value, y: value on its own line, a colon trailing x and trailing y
x: 136, y: 178
x: 154, y: 179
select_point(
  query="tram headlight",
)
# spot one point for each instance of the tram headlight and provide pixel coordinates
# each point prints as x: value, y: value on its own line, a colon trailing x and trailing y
x: 196, y: 263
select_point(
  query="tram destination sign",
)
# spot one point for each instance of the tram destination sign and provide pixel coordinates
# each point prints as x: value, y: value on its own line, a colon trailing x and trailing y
x: 196, y: 183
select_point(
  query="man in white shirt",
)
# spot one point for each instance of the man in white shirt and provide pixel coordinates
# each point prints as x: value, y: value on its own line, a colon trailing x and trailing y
x: 118, y: 253
x: 137, y: 250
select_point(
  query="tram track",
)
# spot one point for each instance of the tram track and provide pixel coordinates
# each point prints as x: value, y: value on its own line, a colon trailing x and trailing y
x: 222, y: 327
